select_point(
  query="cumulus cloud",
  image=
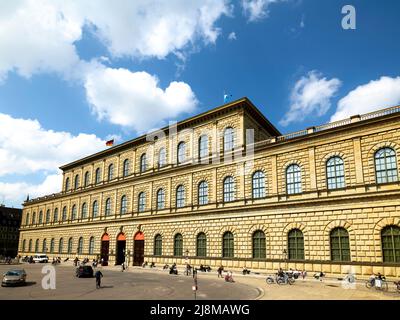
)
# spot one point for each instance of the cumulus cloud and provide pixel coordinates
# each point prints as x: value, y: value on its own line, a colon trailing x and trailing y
x: 311, y: 95
x: 40, y: 35
x: 256, y: 10
x: 232, y: 36
x: 35, y: 37
x: 15, y: 193
x: 26, y: 147
x: 135, y: 100
x: 377, y: 94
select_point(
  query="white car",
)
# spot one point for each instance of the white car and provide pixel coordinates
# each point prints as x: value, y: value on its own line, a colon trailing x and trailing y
x: 40, y: 258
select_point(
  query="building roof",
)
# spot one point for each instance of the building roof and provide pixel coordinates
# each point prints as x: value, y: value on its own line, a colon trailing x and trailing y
x: 242, y: 103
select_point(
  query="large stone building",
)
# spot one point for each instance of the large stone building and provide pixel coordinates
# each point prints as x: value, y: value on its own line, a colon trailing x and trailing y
x: 10, y: 221
x: 321, y: 199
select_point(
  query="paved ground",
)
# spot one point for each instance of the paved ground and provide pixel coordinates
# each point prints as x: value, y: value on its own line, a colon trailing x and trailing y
x: 156, y: 284
x: 135, y: 284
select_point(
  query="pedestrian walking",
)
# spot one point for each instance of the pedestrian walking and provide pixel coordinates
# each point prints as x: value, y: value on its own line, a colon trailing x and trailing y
x: 98, y: 276
x: 220, y: 269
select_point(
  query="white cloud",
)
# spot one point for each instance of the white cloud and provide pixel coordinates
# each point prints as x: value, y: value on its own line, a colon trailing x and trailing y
x: 232, y: 36
x: 256, y: 10
x: 15, y: 193
x: 26, y: 147
x: 377, y: 94
x: 40, y: 35
x: 36, y: 37
x: 134, y: 100
x: 311, y: 95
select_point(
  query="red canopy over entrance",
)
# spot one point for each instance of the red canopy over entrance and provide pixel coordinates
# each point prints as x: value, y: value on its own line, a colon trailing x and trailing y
x: 139, y: 236
x: 121, y: 237
x: 105, y: 237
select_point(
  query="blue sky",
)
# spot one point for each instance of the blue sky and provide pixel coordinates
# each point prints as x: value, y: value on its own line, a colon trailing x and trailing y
x: 77, y: 79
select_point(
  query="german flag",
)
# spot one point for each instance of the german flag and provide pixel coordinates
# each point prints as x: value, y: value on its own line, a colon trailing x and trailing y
x: 110, y: 143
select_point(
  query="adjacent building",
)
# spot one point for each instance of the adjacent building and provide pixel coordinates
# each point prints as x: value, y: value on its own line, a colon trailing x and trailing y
x: 10, y: 221
x: 226, y: 187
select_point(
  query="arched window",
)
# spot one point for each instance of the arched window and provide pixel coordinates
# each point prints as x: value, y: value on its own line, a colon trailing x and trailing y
x: 67, y: 184
x: 340, y: 246
x: 227, y: 245
x: 335, y: 173
x: 124, y: 205
x: 201, y: 245
x: 385, y: 165
x: 52, y: 245
x: 30, y: 245
x: 34, y: 218
x: 143, y: 163
x: 69, y: 246
x: 259, y: 248
x: 76, y: 182
x: 27, y: 219
x: 181, y: 152
x: 64, y: 214
x: 162, y: 158
x: 110, y: 172
x: 95, y: 209
x: 61, y: 245
x: 141, y: 202
x: 229, y: 189
x: 178, y: 245
x: 23, y: 245
x: 84, y: 211
x: 40, y: 217
x: 73, y: 212
x: 97, y: 176
x: 125, y: 171
x: 160, y: 199
x: 296, y: 244
x: 229, y: 139
x: 55, y: 215
x: 37, y: 246
x: 158, y: 245
x: 80, y: 245
x: 44, y: 246
x: 180, y: 196
x: 86, y: 180
x: 47, y: 216
x: 293, y: 179
x: 203, y: 146
x: 258, y: 185
x: 108, y: 207
x: 91, y: 245
x: 390, y: 237
x: 203, y: 193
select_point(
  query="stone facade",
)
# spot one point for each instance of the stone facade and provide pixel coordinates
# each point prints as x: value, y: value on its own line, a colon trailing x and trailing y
x: 362, y: 206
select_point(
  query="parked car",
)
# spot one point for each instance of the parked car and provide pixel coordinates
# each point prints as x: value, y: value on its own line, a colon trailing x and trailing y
x: 41, y: 258
x: 15, y: 277
x: 84, y: 272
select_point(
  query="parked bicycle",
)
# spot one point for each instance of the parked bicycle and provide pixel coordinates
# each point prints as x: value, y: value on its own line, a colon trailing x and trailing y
x: 378, y: 282
x: 281, y: 278
x: 397, y: 284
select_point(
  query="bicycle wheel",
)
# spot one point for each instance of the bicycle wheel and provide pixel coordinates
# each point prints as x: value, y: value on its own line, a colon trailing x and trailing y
x: 368, y: 284
x: 270, y: 281
x: 384, y: 286
x: 291, y: 281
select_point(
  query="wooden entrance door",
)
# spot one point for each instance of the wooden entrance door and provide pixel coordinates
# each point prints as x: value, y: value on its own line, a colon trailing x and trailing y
x: 138, y: 255
x: 105, y: 246
x: 138, y: 249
